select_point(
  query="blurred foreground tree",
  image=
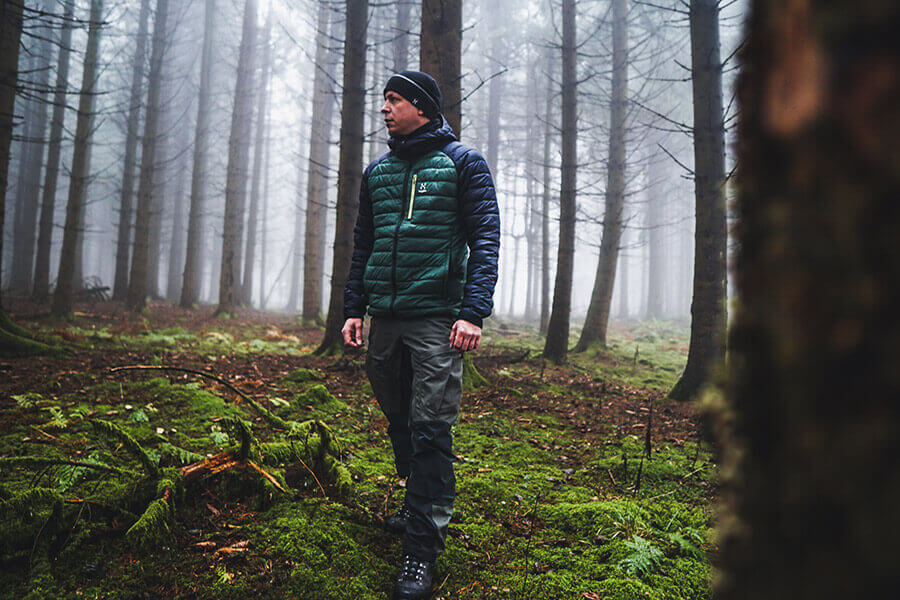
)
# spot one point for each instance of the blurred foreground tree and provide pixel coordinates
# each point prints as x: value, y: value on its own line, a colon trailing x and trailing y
x: 814, y: 348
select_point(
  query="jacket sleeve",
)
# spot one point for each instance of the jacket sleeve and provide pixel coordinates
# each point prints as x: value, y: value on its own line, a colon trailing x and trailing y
x: 355, y: 299
x: 481, y: 220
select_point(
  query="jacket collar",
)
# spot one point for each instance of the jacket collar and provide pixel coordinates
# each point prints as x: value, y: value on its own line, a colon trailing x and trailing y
x: 430, y: 136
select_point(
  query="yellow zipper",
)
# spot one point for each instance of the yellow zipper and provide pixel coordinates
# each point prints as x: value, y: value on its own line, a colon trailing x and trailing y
x: 412, y: 197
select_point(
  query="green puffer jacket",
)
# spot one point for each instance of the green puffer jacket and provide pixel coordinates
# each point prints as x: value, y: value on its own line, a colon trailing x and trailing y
x: 418, y: 261
x: 427, y: 235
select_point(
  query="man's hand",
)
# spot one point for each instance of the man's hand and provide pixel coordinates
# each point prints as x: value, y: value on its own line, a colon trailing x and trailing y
x: 464, y: 335
x: 352, y: 332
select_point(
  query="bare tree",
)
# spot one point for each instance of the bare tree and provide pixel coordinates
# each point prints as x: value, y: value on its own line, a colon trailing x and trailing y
x: 597, y: 320
x: 51, y: 172
x: 316, y: 179
x: 253, y: 221
x: 556, y: 347
x: 350, y: 168
x: 137, y: 280
x: 238, y: 157
x: 33, y: 159
x: 707, y: 346
x: 123, y: 244
x: 401, y: 36
x: 190, y: 284
x: 812, y: 505
x: 81, y: 166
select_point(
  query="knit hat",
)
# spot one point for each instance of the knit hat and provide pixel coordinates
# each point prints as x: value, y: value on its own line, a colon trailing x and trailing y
x: 419, y: 88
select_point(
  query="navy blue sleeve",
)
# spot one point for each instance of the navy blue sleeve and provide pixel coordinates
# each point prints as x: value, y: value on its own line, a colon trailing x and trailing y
x: 355, y: 299
x: 481, y: 219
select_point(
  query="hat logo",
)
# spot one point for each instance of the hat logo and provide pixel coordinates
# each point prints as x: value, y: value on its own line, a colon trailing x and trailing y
x: 415, y: 101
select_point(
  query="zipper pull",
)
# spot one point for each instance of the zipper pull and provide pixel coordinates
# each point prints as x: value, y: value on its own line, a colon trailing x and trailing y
x: 412, y: 197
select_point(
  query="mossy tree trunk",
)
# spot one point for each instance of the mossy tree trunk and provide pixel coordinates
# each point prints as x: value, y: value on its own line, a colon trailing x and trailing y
x: 708, y: 318
x: 349, y: 170
x: 812, y: 512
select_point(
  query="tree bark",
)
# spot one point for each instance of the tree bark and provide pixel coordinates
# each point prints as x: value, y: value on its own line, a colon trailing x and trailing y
x: 81, y: 167
x: 190, y: 284
x: 51, y: 173
x: 177, y: 241
x: 24, y: 246
x: 259, y: 142
x: 656, y: 254
x: 556, y: 346
x: 238, y: 157
x: 313, y: 257
x: 440, y: 53
x: 137, y: 280
x: 123, y: 243
x: 10, y: 35
x: 596, y: 322
x: 349, y: 170
x: 708, y: 317
x: 545, y: 206
x: 812, y: 506
x: 401, y: 36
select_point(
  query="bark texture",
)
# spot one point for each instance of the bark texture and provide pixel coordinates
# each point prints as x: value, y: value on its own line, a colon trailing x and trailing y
x: 440, y: 53
x: 813, y: 512
x: 81, y: 167
x: 350, y: 168
x: 556, y: 347
x: 708, y: 318
x: 596, y: 322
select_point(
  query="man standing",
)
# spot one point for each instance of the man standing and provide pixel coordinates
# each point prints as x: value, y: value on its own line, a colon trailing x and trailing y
x: 424, y: 262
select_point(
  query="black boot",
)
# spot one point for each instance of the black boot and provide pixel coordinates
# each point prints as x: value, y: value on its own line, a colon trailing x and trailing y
x: 414, y: 582
x: 396, y: 523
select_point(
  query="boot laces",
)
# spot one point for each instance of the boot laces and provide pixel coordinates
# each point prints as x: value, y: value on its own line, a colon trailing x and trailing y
x: 413, y: 568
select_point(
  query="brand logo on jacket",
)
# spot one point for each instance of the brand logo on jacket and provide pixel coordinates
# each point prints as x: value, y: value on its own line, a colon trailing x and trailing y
x: 422, y: 188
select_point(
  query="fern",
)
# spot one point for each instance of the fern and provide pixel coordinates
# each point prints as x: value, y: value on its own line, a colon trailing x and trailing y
x: 28, y: 400
x: 241, y: 430
x: 24, y: 502
x: 687, y: 545
x: 179, y: 455
x: 645, y: 557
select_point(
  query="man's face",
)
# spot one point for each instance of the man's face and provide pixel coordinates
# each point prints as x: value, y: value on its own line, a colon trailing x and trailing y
x: 400, y: 116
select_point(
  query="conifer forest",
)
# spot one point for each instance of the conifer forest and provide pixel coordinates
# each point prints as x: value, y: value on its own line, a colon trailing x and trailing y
x: 688, y: 386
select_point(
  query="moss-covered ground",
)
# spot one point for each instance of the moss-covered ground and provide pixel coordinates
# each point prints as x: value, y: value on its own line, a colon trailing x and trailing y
x: 579, y: 481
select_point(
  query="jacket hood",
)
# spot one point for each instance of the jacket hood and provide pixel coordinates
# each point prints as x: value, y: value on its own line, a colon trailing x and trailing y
x: 430, y: 136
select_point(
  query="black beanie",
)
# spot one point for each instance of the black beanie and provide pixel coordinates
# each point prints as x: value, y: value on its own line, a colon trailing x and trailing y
x: 419, y: 88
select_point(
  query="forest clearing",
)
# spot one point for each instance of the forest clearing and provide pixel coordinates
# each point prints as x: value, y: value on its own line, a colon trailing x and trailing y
x: 575, y: 481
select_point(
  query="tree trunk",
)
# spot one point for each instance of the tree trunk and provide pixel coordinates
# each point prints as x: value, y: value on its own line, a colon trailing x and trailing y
x: 253, y: 212
x: 137, y: 280
x: 23, y: 249
x: 401, y: 36
x: 812, y: 506
x: 238, y: 157
x: 313, y: 256
x: 556, y: 347
x: 81, y: 167
x: 177, y: 243
x: 349, y: 170
x: 545, y: 206
x: 10, y: 35
x: 51, y: 173
x: 123, y: 244
x: 656, y: 251
x: 440, y: 52
x: 596, y: 322
x: 190, y: 284
x: 707, y: 346
x: 263, y: 234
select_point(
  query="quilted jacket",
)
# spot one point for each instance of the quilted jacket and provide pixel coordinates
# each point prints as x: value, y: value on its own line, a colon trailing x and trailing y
x: 427, y: 236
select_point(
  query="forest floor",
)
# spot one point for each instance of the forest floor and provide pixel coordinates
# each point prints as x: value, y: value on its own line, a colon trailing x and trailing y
x: 579, y: 481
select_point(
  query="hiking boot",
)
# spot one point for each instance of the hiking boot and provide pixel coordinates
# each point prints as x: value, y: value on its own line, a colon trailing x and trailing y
x: 396, y: 523
x: 414, y: 582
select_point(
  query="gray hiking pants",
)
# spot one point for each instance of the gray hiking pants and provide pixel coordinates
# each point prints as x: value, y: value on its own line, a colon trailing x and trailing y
x: 417, y: 379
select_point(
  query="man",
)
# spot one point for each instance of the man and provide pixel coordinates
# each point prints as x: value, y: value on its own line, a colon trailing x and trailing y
x: 425, y: 253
